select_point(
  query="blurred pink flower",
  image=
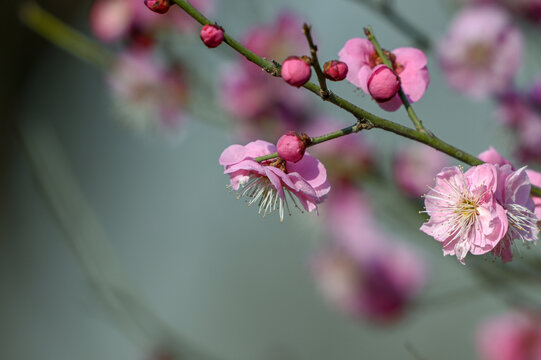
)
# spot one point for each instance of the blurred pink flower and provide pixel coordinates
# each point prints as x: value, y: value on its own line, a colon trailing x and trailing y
x: 415, y: 166
x: 522, y: 112
x: 350, y: 221
x: 154, y: 95
x: 481, y: 52
x: 265, y: 105
x: 409, y: 63
x: 464, y: 214
x: 278, y: 40
x: 267, y: 183
x: 511, y: 336
x: 113, y: 20
x: 529, y: 9
x: 378, y: 288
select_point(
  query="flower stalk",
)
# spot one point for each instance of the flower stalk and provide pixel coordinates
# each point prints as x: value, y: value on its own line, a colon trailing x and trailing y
x: 411, y: 113
x: 324, y: 92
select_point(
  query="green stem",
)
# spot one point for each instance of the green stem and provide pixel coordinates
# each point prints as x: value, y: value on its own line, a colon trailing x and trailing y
x: 315, y: 62
x: 387, y: 10
x: 356, y: 111
x: 63, y: 36
x: 360, y: 125
x: 411, y: 113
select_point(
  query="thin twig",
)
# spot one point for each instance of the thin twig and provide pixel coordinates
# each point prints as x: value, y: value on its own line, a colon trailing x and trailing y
x: 356, y: 111
x: 386, y: 9
x: 306, y: 29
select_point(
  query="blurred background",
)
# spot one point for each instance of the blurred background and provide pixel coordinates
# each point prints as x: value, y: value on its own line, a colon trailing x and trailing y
x: 120, y: 240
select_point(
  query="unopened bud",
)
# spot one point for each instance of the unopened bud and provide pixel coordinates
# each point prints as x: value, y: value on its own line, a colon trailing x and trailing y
x: 383, y: 83
x: 295, y: 71
x: 291, y: 147
x: 212, y: 35
x: 335, y: 70
x: 158, y: 6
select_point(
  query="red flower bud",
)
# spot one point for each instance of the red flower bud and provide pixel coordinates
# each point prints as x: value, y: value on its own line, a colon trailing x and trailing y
x: 212, y: 35
x: 335, y: 70
x: 295, y: 71
x: 158, y: 6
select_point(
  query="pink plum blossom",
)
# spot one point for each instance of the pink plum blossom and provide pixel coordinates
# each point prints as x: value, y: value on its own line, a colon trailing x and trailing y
x: 415, y: 166
x: 464, y: 214
x: 152, y: 95
x: 408, y: 63
x: 492, y: 156
x: 481, y: 52
x: 514, y: 195
x: 268, y: 183
x: 512, y: 336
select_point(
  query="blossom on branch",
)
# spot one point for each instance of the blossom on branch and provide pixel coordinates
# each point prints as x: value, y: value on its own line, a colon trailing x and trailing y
x: 408, y: 63
x: 464, y: 214
x: 483, y: 210
x: 269, y: 184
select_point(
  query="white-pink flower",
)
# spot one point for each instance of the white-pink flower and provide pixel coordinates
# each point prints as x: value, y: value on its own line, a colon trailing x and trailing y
x: 270, y: 183
x: 523, y: 211
x: 514, y: 195
x: 464, y: 214
x: 481, y: 52
x: 408, y: 63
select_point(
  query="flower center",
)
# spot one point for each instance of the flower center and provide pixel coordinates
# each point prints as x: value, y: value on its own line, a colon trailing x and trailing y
x: 467, y: 209
x: 478, y: 54
x: 259, y: 190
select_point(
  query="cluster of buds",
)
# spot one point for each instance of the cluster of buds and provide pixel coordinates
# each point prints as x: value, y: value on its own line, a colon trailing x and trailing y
x: 296, y: 71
